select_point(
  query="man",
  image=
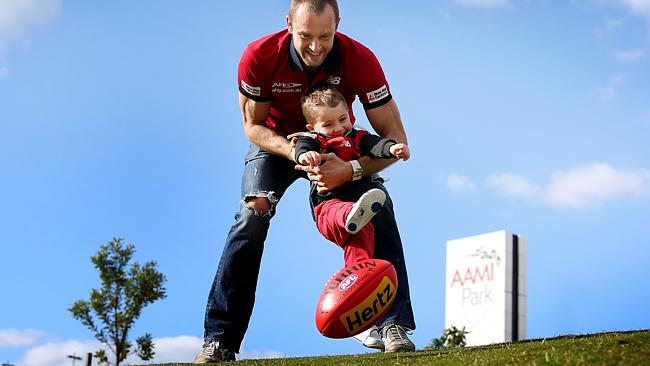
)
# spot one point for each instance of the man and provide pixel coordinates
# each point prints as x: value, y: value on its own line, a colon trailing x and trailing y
x: 274, y: 72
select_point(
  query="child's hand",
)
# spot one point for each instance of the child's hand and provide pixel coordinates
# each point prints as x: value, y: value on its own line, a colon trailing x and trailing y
x: 400, y: 151
x: 309, y: 158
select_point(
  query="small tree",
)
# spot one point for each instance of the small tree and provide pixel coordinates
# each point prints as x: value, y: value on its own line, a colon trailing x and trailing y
x: 451, y: 337
x: 114, y: 308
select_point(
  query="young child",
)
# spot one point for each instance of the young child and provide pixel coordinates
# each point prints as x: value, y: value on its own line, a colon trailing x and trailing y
x: 343, y: 215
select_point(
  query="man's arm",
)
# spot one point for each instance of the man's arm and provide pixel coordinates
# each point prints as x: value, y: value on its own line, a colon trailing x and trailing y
x: 254, y: 115
x: 386, y: 121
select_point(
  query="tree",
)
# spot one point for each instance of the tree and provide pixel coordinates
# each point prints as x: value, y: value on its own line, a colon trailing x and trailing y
x: 113, y: 309
x: 451, y: 337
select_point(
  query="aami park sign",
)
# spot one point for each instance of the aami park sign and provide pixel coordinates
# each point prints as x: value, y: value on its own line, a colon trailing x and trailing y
x: 486, y: 287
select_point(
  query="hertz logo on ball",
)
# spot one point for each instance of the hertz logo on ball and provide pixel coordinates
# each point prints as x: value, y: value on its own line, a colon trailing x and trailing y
x: 356, y: 297
x: 369, y: 310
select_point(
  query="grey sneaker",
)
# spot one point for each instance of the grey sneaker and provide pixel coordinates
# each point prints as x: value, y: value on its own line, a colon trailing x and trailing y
x: 364, y: 210
x: 396, y: 340
x: 213, y: 352
x: 370, y: 338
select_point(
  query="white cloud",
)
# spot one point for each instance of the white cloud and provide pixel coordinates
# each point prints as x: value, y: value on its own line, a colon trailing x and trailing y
x: 595, y: 184
x: 611, y: 24
x: 629, y: 56
x: 616, y: 79
x: 483, y: 3
x: 56, y: 353
x: 580, y: 188
x: 638, y: 7
x: 460, y: 183
x: 18, y: 338
x: 181, y: 349
x: 514, y: 186
x: 609, y: 92
x: 17, y: 17
x: 172, y: 350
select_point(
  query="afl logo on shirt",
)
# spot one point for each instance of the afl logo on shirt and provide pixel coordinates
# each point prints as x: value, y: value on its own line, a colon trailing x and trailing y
x: 377, y: 95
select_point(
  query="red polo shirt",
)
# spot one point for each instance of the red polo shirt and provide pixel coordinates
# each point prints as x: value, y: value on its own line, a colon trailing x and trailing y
x: 270, y: 70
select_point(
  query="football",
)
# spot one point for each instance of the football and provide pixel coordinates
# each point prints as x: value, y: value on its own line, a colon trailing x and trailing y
x: 356, y: 298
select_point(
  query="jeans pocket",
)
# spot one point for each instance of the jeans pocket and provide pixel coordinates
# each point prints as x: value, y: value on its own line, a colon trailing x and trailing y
x: 255, y: 152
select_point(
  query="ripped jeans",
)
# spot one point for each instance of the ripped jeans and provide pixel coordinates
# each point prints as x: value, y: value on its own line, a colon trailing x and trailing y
x: 232, y: 295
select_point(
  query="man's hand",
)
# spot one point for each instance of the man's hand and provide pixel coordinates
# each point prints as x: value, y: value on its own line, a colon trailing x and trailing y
x: 332, y: 173
x: 292, y: 148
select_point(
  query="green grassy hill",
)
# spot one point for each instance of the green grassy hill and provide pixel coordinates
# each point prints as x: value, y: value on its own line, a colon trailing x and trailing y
x: 615, y: 348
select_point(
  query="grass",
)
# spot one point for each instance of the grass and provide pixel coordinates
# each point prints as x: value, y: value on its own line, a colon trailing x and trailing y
x: 615, y: 348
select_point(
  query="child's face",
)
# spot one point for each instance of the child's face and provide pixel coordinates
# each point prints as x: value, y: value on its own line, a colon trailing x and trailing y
x: 330, y: 121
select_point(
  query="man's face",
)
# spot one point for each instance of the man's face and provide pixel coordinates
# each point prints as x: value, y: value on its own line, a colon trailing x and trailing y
x: 313, y: 34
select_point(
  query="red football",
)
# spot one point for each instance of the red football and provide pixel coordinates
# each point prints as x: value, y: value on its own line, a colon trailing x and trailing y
x: 356, y: 298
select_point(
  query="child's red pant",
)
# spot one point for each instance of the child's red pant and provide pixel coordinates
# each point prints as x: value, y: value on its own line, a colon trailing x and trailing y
x: 330, y: 221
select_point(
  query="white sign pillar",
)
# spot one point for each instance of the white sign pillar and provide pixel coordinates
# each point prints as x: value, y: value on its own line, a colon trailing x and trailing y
x: 485, y: 289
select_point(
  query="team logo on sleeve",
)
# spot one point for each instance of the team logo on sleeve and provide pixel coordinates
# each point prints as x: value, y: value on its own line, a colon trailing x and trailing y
x: 377, y: 95
x: 252, y: 90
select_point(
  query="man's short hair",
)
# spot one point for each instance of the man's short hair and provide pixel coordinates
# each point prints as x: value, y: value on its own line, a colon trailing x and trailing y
x: 317, y: 6
x: 324, y: 96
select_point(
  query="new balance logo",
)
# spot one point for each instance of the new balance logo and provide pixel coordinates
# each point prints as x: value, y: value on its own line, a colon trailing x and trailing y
x: 334, y: 80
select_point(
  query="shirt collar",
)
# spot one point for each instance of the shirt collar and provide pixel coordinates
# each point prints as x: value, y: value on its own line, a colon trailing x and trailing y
x: 332, y: 61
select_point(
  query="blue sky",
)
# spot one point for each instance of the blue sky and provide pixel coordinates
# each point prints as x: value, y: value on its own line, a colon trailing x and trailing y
x: 120, y: 119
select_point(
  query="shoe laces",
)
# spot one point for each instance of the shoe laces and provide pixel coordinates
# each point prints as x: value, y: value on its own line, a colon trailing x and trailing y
x: 396, y: 332
x: 215, y: 348
x: 210, y: 348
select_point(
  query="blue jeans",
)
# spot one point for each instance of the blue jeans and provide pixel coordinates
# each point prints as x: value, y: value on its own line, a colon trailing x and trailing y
x: 231, y: 298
